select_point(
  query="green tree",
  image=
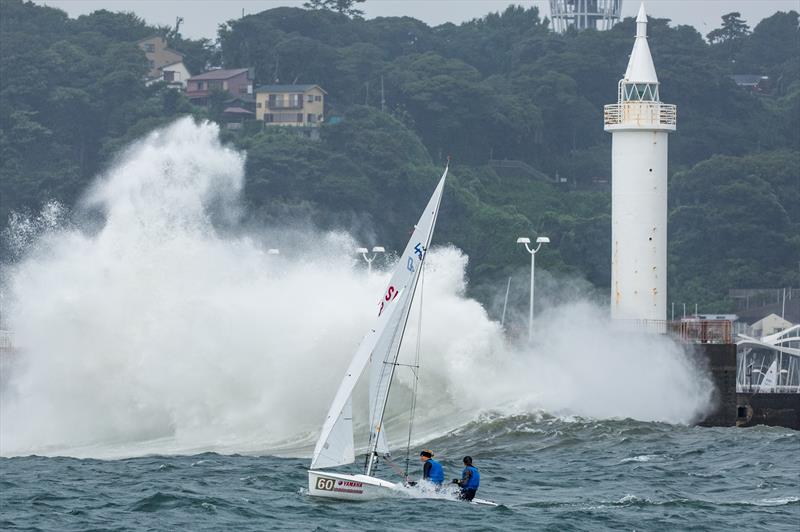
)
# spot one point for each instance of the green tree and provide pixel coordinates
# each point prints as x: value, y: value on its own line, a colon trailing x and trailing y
x: 733, y: 27
x: 345, y: 7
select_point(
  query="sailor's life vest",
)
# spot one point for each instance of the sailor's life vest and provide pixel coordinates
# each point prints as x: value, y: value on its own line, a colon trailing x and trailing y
x: 436, y: 473
x: 474, y: 480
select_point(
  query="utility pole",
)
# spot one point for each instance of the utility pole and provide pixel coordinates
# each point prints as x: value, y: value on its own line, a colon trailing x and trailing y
x: 783, y: 307
x: 505, y: 304
x: 383, y: 97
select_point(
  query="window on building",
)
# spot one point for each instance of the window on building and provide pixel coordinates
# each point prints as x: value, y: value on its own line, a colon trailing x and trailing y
x: 258, y: 105
x: 310, y: 98
x: 317, y: 98
x: 311, y: 118
x: 215, y: 84
x: 149, y: 47
x: 200, y: 85
x: 296, y: 100
x: 284, y: 118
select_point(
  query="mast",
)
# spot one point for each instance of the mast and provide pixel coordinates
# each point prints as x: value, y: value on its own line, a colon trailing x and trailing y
x: 415, y: 370
x: 372, y: 450
x: 335, y: 444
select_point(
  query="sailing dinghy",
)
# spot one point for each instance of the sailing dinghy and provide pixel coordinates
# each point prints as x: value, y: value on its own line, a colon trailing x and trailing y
x: 379, y: 349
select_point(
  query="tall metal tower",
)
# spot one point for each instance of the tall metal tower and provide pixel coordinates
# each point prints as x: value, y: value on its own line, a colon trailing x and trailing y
x: 584, y: 14
x: 639, y: 125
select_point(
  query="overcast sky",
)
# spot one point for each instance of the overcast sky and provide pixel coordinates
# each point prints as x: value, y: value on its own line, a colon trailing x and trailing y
x: 201, y: 17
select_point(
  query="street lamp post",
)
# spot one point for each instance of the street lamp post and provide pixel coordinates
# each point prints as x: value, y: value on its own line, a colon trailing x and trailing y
x: 523, y: 240
x: 375, y: 251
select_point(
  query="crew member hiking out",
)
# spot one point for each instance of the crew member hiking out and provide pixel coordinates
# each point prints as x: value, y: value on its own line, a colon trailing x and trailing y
x: 431, y: 469
x: 470, y: 480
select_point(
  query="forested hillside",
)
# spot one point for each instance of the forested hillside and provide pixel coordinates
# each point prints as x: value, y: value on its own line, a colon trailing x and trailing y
x: 500, y: 87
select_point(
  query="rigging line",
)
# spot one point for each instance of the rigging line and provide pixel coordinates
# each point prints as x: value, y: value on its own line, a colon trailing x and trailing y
x: 415, y: 281
x: 403, y: 365
x: 378, y: 427
x: 395, y: 467
x: 416, y: 373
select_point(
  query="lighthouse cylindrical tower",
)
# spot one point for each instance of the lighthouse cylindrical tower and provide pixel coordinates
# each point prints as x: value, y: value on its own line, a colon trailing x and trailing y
x: 639, y: 124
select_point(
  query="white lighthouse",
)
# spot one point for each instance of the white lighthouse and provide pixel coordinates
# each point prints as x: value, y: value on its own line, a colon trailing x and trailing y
x: 639, y: 124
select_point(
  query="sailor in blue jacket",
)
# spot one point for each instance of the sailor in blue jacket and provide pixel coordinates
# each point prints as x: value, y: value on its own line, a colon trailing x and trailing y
x: 431, y: 470
x: 470, y: 480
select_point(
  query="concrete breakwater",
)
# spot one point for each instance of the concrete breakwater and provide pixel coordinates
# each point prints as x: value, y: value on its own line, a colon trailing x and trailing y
x: 742, y: 409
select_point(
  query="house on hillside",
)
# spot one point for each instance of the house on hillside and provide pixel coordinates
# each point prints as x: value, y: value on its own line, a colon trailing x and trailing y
x: 291, y: 105
x: 158, y: 55
x: 237, y: 82
x: 174, y: 75
x: 753, y: 82
x: 235, y: 117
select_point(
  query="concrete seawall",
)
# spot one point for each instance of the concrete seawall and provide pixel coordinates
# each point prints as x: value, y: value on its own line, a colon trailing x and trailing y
x: 732, y: 409
x: 720, y: 361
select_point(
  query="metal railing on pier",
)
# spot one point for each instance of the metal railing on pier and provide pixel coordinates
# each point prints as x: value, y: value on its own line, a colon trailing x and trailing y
x: 687, y: 331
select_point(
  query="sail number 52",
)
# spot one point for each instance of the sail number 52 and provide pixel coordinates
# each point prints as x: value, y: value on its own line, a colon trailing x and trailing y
x: 325, y: 484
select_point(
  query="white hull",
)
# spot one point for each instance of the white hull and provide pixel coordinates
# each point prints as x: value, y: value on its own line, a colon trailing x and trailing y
x: 363, y: 488
x: 350, y: 487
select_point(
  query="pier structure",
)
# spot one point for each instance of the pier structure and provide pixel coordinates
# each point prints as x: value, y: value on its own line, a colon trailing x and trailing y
x: 755, y: 381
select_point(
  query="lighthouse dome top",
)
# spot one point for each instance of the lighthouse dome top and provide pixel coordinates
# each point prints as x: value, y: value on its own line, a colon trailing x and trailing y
x: 640, y: 65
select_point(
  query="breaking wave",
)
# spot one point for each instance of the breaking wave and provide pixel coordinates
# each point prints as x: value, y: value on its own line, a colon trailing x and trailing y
x: 155, y: 331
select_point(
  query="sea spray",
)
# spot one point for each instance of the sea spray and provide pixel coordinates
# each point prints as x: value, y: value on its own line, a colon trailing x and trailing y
x: 577, y: 364
x: 156, y: 332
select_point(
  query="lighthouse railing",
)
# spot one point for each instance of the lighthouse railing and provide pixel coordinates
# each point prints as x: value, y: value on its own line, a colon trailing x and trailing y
x: 640, y: 114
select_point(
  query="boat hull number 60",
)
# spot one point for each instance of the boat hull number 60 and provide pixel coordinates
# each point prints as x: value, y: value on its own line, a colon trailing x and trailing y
x: 325, y: 484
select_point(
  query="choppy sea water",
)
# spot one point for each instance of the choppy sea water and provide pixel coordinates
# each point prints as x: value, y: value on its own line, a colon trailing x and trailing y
x: 546, y: 473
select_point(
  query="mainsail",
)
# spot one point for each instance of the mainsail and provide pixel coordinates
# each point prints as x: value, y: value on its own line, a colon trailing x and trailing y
x: 384, y: 358
x: 381, y: 345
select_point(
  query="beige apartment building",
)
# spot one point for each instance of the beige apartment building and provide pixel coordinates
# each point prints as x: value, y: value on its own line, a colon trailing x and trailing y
x: 158, y: 55
x: 290, y: 105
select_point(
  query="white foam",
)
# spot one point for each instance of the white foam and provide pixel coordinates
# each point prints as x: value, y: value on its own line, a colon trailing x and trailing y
x: 155, y: 332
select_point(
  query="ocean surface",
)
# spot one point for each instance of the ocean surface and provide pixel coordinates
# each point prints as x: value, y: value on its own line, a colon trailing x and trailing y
x: 546, y: 473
